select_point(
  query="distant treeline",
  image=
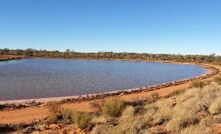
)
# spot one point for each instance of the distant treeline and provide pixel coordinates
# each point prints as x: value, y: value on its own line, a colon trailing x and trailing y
x: 112, y: 55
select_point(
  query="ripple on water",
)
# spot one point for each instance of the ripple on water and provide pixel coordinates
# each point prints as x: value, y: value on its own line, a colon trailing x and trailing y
x: 37, y: 78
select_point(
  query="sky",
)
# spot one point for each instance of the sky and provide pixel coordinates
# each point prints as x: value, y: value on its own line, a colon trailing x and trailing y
x: 150, y: 26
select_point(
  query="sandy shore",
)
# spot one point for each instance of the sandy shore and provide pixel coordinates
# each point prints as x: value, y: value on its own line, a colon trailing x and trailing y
x: 38, y: 112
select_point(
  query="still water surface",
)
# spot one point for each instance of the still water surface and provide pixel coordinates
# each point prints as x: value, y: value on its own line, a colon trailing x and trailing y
x: 38, y: 78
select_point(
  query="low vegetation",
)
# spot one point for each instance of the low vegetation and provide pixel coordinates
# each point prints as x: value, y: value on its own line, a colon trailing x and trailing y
x: 215, y: 107
x: 153, y: 97
x: 54, y: 107
x: 83, y: 120
x: 218, y: 80
x: 176, y: 92
x: 59, y: 115
x: 197, y: 84
x: 194, y: 110
x: 97, y: 105
x: 112, y: 107
x: 112, y: 55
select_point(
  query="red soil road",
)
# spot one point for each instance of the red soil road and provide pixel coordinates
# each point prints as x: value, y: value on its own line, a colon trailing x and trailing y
x: 37, y: 113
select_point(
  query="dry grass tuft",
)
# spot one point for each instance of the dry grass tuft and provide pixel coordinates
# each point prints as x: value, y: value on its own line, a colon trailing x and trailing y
x: 102, y: 129
x: 215, y: 108
x: 54, y: 107
x: 65, y: 116
x: 153, y: 97
x: 83, y: 119
x: 218, y: 79
x: 197, y: 84
x: 99, y: 120
x: 194, y: 110
x: 128, y: 112
x: 57, y: 114
x: 113, y: 107
x: 181, y: 121
x: 176, y: 92
x: 97, y: 105
x: 196, y: 130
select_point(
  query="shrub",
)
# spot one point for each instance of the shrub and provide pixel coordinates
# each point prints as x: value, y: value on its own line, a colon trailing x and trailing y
x: 153, y: 97
x: 197, y: 130
x: 176, y: 92
x: 55, y: 111
x: 59, y: 115
x: 54, y: 107
x: 185, y: 113
x: 82, y: 119
x: 178, y: 124
x: 99, y: 120
x: 101, y: 129
x: 113, y: 107
x: 97, y: 105
x: 136, y: 102
x: 197, y: 84
x: 55, y: 118
x: 218, y: 80
x: 67, y: 116
x: 128, y: 112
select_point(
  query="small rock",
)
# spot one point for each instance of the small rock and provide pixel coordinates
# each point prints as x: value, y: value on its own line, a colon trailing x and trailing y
x: 28, y: 130
x: 54, y: 126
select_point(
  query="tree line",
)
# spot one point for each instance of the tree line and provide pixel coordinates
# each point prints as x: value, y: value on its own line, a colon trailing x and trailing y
x: 111, y: 55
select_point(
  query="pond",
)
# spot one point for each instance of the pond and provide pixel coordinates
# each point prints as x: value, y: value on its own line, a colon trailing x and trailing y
x: 40, y: 78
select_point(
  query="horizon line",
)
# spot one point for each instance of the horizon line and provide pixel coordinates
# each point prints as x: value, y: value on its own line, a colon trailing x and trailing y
x: 104, y: 51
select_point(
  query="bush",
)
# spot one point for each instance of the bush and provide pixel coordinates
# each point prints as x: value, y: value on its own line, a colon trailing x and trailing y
x: 54, y: 107
x: 59, y: 115
x: 153, y: 97
x: 82, y: 119
x: 215, y: 108
x: 97, y: 105
x: 176, y: 92
x: 54, y: 119
x: 101, y: 129
x: 128, y: 112
x: 113, y: 107
x: 197, y: 130
x: 67, y: 116
x: 218, y: 80
x: 197, y: 84
x: 178, y: 124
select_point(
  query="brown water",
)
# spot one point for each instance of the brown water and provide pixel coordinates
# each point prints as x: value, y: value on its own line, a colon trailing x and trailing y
x: 38, y: 78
